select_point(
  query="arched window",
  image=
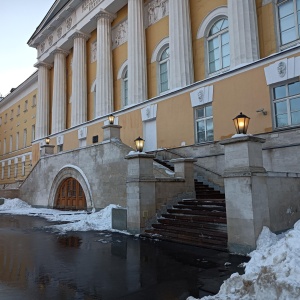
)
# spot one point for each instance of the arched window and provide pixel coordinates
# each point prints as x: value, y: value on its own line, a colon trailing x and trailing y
x: 125, y: 87
x: 164, y: 71
x: 289, y: 20
x: 218, y: 46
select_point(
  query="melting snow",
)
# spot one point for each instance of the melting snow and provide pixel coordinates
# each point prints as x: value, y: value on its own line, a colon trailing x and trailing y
x: 273, y: 271
x: 78, y: 220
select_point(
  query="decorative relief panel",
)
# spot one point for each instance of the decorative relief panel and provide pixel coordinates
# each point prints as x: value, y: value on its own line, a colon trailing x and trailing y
x: 120, y: 34
x: 69, y: 23
x: 156, y: 10
x: 50, y: 40
x: 59, y: 32
x: 43, y: 47
x: 90, y: 4
x: 94, y: 51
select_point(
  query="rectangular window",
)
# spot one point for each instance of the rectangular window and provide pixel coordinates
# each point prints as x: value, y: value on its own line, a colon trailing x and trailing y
x: 204, y: 124
x: 26, y: 106
x: 8, y: 169
x: 11, y: 114
x: 4, y: 146
x: 34, y: 100
x: 5, y: 118
x: 17, y: 141
x: 10, y: 143
x: 286, y: 104
x: 0, y: 121
x: 18, y: 110
x: 16, y: 169
x: 32, y: 132
x: 25, y: 138
x: 60, y: 148
x: 289, y: 20
x: 2, y: 171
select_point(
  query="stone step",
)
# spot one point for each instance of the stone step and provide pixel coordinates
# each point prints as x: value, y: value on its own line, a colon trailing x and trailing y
x: 212, y: 202
x: 196, y: 212
x: 209, y: 196
x: 171, y: 237
x: 187, y: 224
x: 192, y: 231
x: 196, y: 218
x: 201, y: 207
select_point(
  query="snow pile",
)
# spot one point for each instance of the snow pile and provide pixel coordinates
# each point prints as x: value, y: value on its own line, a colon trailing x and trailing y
x: 273, y: 271
x: 77, y: 220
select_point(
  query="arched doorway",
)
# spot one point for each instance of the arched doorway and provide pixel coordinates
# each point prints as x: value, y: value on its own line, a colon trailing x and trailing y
x: 70, y: 195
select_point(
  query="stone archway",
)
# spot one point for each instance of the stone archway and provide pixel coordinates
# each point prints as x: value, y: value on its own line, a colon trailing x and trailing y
x: 70, y: 189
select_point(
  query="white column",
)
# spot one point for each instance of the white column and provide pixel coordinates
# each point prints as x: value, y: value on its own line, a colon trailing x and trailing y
x: 244, y: 45
x: 137, y: 68
x: 59, y: 91
x: 181, y: 55
x: 79, y: 79
x: 42, y: 110
x: 104, y: 80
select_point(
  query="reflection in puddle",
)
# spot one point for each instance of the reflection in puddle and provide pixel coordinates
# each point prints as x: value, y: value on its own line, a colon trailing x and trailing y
x: 69, y: 241
x: 93, y: 265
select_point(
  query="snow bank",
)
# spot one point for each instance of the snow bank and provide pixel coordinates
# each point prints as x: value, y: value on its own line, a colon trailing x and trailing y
x: 273, y: 271
x: 78, y: 220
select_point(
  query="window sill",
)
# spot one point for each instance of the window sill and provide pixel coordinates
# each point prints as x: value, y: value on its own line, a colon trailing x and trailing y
x: 289, y: 45
x: 25, y: 110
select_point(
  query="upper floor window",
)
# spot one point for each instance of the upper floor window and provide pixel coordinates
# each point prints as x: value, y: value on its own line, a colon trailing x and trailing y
x: 218, y: 46
x: 26, y: 105
x: 289, y: 20
x: 5, y: 118
x: 34, y: 100
x: 204, y: 124
x: 18, y: 110
x: 164, y: 71
x: 11, y: 114
x: 286, y: 101
x: 125, y: 87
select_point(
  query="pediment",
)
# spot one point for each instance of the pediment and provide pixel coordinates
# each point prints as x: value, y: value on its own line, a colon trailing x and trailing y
x: 57, y: 6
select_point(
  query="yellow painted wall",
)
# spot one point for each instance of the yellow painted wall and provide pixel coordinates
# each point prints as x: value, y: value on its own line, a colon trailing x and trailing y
x: 266, y: 28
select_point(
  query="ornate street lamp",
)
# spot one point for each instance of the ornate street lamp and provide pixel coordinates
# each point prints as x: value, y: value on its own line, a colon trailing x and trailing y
x: 241, y: 123
x: 47, y: 140
x: 111, y: 119
x: 139, y: 144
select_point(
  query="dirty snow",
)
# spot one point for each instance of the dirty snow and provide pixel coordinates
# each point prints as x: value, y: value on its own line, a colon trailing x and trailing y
x: 77, y: 220
x: 273, y: 271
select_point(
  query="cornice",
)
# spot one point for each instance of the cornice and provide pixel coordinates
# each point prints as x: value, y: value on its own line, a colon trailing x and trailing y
x: 20, y: 91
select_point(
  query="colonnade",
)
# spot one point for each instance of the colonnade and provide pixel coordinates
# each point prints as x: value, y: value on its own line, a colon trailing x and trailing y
x: 244, y: 49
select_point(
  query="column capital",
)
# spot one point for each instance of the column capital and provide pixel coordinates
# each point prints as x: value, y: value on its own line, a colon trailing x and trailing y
x: 42, y: 64
x: 104, y: 15
x: 60, y: 51
x: 79, y: 34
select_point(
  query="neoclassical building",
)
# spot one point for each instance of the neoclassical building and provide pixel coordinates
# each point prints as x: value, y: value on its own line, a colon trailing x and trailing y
x: 175, y: 72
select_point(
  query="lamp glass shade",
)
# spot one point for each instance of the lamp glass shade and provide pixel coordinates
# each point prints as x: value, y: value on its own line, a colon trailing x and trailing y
x: 111, y: 119
x: 47, y: 141
x: 241, y: 123
x: 139, y: 144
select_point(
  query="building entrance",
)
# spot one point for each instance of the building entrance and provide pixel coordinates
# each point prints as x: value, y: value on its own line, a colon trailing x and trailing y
x: 70, y: 196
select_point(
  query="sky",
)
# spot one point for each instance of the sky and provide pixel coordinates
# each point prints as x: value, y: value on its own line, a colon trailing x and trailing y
x: 18, y: 21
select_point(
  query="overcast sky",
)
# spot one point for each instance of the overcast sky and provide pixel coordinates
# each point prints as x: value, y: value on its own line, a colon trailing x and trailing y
x: 18, y: 21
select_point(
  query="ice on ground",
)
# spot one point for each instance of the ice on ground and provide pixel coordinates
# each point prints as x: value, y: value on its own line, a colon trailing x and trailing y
x: 78, y: 220
x: 273, y: 271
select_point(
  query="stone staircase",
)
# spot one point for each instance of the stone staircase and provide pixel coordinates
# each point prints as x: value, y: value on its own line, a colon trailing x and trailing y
x: 199, y: 222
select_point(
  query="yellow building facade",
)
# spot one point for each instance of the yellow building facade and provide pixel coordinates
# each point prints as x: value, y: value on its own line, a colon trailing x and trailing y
x: 175, y: 106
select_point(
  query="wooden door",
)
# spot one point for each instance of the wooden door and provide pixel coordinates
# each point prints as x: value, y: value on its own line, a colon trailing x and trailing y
x: 70, y: 196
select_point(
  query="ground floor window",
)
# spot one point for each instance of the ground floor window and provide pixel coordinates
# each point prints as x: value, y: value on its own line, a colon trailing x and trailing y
x: 286, y: 103
x: 204, y: 124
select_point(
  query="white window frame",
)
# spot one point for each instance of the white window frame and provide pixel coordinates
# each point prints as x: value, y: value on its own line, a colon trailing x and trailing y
x: 17, y: 140
x: 297, y: 23
x: 4, y: 146
x: 160, y: 62
x: 204, y: 118
x: 10, y: 143
x: 217, y: 35
x: 121, y: 73
x: 33, y: 132
x: 125, y: 87
x: 288, y: 106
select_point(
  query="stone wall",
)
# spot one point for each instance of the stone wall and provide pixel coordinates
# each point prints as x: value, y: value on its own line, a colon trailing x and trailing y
x: 100, y: 169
